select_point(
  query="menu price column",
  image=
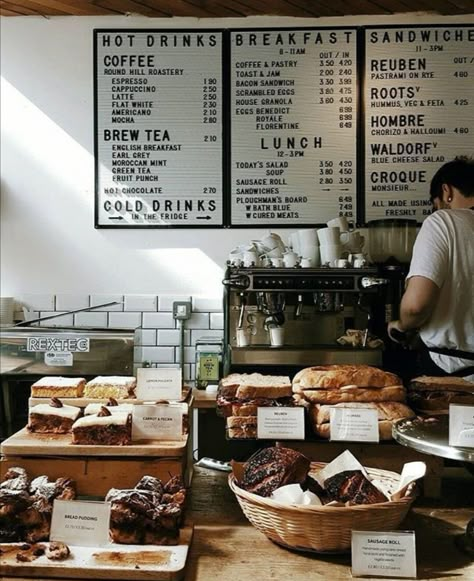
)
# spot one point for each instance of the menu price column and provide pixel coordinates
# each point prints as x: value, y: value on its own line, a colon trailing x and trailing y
x: 293, y: 126
x: 159, y: 159
x: 419, y: 113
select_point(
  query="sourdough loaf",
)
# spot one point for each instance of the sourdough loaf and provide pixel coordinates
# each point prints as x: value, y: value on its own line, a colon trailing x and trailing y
x: 337, y: 376
x: 354, y: 394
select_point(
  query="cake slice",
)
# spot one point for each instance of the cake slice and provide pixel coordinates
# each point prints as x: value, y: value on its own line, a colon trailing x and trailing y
x: 116, y: 386
x: 112, y: 405
x: 58, y: 387
x: 104, y: 429
x: 52, y: 418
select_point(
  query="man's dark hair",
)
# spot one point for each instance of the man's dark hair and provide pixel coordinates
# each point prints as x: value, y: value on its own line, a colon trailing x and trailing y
x: 458, y: 173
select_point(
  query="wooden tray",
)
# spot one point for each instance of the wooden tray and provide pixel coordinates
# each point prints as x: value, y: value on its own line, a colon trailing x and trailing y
x: 26, y: 444
x: 161, y: 563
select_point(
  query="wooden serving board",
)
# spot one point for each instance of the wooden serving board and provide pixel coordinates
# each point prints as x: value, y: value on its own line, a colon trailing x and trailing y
x: 114, y: 561
x: 25, y: 443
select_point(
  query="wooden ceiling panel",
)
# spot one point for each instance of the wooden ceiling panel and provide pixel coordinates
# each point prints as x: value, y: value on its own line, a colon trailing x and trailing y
x: 229, y: 8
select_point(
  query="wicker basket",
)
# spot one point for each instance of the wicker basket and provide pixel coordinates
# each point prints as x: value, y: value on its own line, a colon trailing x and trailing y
x: 324, y: 529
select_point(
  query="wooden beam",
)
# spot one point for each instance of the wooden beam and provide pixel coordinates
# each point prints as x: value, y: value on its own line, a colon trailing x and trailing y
x: 130, y: 6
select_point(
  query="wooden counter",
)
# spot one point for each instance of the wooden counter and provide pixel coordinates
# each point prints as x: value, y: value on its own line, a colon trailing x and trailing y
x: 226, y: 547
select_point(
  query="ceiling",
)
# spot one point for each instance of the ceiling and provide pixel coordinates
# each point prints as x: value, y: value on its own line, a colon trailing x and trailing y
x: 229, y: 8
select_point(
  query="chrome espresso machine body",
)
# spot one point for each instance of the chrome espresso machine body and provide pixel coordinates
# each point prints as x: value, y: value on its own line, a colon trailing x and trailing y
x: 311, y: 307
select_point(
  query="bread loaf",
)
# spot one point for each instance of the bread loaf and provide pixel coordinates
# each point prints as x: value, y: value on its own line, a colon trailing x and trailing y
x: 337, y: 376
x: 273, y: 467
x: 433, y: 395
x: 355, y: 394
x: 385, y: 410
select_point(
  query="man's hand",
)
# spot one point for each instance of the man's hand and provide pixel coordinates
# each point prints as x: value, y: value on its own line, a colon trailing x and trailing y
x: 396, y: 333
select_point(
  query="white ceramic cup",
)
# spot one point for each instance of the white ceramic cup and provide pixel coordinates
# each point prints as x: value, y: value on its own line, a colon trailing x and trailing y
x: 272, y: 241
x: 294, y: 241
x: 306, y: 263
x: 290, y: 259
x: 328, y: 236
x: 308, y: 237
x: 250, y: 258
x: 242, y: 338
x: 277, y: 261
x: 330, y: 253
x: 360, y: 263
x: 264, y: 261
x: 277, y: 336
x: 353, y: 241
x: 261, y: 248
x: 274, y: 253
x: 311, y: 251
x: 340, y: 223
x: 342, y: 263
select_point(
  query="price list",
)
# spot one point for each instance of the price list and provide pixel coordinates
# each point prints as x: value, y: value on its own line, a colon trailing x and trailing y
x: 159, y: 159
x: 293, y: 126
x: 419, y: 113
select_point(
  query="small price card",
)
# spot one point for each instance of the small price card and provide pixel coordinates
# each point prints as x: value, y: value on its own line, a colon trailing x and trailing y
x: 58, y: 359
x: 280, y: 422
x: 157, y: 422
x: 158, y: 383
x: 354, y: 424
x: 384, y: 554
x: 80, y: 522
x: 461, y: 425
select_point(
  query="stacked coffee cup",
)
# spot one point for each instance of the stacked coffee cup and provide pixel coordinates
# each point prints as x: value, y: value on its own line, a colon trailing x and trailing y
x: 304, y: 244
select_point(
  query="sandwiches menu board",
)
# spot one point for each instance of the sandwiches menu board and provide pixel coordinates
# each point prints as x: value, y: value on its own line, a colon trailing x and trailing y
x: 158, y: 128
x: 419, y: 113
x: 293, y: 125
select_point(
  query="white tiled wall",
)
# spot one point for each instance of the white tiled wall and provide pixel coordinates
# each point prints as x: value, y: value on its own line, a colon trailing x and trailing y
x: 157, y: 334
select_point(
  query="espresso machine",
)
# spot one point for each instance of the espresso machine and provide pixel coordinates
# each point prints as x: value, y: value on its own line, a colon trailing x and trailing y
x: 311, y: 308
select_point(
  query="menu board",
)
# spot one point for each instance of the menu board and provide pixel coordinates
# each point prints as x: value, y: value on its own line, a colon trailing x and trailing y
x: 158, y: 99
x: 419, y: 113
x: 293, y: 126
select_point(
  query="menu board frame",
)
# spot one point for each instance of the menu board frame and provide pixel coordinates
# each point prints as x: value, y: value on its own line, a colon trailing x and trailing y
x: 365, y: 112
x: 224, y: 89
x: 357, y: 195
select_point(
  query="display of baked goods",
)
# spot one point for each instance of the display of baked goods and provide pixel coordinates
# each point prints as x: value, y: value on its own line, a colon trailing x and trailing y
x: 52, y: 417
x: 273, y: 467
x: 58, y: 387
x: 151, y: 513
x: 241, y: 394
x: 116, y: 386
x: 388, y: 412
x: 104, y: 428
x: 26, y: 506
x: 433, y: 395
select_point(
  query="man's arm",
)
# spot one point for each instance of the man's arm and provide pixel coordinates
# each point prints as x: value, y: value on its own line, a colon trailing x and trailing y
x: 418, y: 302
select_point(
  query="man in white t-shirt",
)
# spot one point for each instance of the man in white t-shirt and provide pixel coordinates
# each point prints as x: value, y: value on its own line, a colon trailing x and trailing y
x: 439, y: 295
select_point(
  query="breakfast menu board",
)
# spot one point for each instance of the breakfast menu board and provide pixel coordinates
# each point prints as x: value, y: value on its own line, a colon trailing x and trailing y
x: 293, y: 126
x: 158, y: 117
x: 419, y: 113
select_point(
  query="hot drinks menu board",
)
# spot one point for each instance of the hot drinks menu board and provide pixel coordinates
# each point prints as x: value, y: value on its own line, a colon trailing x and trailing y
x: 419, y: 113
x: 159, y: 159
x: 293, y: 126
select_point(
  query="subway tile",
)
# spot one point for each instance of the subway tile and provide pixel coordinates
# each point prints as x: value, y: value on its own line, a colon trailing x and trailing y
x: 205, y: 334
x: 40, y: 302
x: 140, y: 303
x: 103, y: 299
x: 71, y: 302
x: 145, y: 337
x: 207, y: 304
x: 125, y: 320
x: 138, y: 356
x: 158, y: 320
x: 158, y: 354
x: 217, y: 320
x: 171, y: 337
x: 63, y: 320
x: 93, y: 319
x: 189, y: 355
x: 198, y: 321
x: 192, y: 372
x: 165, y: 302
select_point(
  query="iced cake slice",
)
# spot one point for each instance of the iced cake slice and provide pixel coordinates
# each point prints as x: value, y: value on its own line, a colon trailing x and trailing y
x: 117, y: 386
x: 112, y: 405
x: 58, y: 387
x: 53, y: 417
x: 104, y: 429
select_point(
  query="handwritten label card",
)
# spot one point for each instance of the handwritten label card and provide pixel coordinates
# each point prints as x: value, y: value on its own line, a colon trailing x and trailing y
x: 280, y: 422
x: 461, y: 425
x: 354, y: 424
x: 384, y: 554
x: 157, y: 422
x: 79, y: 522
x: 159, y: 383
